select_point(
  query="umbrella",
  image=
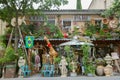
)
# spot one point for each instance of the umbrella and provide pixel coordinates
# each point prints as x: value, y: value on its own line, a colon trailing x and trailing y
x: 76, y: 42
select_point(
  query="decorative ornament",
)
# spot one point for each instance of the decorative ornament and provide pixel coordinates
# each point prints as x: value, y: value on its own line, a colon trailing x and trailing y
x: 20, y: 21
x: 49, y: 45
x: 113, y: 23
x: 93, y: 21
x: 52, y: 51
x: 105, y: 21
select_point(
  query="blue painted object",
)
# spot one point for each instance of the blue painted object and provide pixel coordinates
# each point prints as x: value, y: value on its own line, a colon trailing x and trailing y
x: 25, y: 71
x: 48, y: 70
x: 52, y: 70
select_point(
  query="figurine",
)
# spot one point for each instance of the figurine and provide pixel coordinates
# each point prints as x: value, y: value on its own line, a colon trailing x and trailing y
x: 115, y: 59
x: 62, y: 65
x: 108, y: 70
x: 21, y: 62
x: 37, y: 62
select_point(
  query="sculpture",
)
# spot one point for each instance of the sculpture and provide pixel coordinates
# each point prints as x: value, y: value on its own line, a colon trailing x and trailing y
x: 115, y: 58
x: 21, y: 62
x: 62, y: 65
x: 108, y: 70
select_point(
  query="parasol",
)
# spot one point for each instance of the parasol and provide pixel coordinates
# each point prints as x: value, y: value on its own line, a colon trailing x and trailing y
x: 76, y: 42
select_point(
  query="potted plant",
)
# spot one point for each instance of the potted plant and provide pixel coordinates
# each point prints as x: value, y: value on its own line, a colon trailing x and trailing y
x: 87, y: 61
x: 2, y: 51
x: 70, y: 57
x: 100, y: 66
x: 8, y: 60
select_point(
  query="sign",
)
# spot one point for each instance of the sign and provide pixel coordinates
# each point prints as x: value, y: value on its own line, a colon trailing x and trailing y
x: 29, y: 41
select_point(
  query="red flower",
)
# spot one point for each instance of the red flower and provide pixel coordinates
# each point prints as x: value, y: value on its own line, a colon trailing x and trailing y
x: 49, y: 45
x: 65, y: 35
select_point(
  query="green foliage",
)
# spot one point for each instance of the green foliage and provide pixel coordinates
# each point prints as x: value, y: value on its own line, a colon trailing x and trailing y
x: 23, y: 7
x: 69, y: 56
x: 87, y: 62
x: 113, y: 10
x: 79, y: 5
x: 67, y: 48
x: 91, y: 29
x: 9, y: 56
x: 57, y: 60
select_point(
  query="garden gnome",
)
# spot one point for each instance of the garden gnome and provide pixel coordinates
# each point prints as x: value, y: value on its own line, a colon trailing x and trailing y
x: 21, y: 62
x: 115, y: 58
x: 62, y: 65
x: 37, y: 61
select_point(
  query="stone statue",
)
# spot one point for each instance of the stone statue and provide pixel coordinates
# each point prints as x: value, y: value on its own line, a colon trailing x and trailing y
x: 62, y: 65
x: 73, y: 66
x: 21, y: 62
x: 115, y: 58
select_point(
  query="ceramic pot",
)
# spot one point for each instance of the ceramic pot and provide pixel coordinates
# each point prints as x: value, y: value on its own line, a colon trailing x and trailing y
x: 108, y: 70
x: 100, y: 70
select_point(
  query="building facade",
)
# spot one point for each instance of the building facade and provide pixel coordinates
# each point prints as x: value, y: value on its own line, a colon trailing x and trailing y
x: 100, y: 4
x: 68, y: 19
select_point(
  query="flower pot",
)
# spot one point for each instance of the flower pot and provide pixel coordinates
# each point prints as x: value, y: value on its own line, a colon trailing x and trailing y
x: 108, y: 70
x: 100, y: 70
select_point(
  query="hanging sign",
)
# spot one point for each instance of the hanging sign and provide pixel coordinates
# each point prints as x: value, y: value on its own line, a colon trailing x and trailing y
x: 29, y: 41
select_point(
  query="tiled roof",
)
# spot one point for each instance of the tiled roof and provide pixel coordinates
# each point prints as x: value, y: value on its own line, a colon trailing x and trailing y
x: 73, y: 11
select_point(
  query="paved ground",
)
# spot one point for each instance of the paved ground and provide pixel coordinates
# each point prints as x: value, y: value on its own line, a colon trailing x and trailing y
x: 67, y: 78
x: 38, y: 77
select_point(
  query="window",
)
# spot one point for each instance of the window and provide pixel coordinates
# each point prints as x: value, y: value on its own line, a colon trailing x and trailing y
x: 98, y: 22
x: 51, y: 21
x: 81, y: 18
x: 66, y: 25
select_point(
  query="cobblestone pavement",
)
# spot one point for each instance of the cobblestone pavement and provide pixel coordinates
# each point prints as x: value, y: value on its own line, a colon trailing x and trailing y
x: 66, y: 78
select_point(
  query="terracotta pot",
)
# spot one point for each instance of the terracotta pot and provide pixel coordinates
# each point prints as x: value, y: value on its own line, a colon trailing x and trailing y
x: 100, y: 70
x: 108, y: 70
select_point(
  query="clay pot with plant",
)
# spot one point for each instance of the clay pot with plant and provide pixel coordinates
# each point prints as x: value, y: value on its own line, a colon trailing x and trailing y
x: 100, y: 66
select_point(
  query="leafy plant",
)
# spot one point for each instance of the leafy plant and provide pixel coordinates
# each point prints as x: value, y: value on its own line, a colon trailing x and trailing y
x: 87, y: 62
x: 9, y: 56
x: 69, y: 56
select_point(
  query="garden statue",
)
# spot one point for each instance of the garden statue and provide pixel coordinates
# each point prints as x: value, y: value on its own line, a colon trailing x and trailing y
x: 108, y: 70
x: 108, y: 59
x: 37, y: 61
x: 62, y: 65
x: 73, y: 66
x: 52, y: 51
x: 21, y: 62
x: 115, y: 58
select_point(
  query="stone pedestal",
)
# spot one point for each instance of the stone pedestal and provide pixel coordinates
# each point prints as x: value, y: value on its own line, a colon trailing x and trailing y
x: 73, y: 74
x: 10, y: 71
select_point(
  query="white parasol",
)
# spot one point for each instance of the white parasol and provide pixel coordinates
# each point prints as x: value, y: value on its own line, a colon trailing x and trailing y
x: 76, y: 42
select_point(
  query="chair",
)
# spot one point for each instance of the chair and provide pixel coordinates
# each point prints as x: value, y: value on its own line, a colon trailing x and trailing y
x: 52, y: 70
x: 25, y: 70
x: 46, y: 70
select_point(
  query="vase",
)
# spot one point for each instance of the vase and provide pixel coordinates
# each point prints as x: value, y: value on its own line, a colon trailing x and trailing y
x: 108, y: 70
x: 100, y: 70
